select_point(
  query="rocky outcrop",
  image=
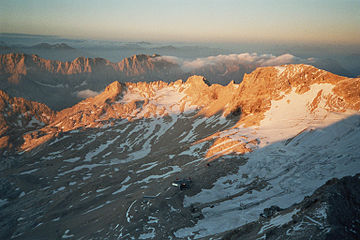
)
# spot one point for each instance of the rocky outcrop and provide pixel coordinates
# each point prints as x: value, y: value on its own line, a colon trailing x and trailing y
x: 22, y: 64
x: 20, y: 72
x: 39, y: 79
x: 251, y: 100
x: 253, y: 97
x: 19, y: 116
x: 265, y: 84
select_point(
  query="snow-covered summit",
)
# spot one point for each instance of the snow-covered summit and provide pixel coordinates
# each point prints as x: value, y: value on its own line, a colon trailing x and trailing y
x: 295, y: 90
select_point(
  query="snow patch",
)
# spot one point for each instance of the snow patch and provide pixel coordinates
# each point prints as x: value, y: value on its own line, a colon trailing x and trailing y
x: 149, y: 235
x: 165, y: 175
x: 278, y: 221
x: 67, y: 235
x: 123, y: 188
x: 29, y: 172
x: 291, y: 114
x: 152, y: 165
x: 280, y: 69
x: 291, y: 169
x: 72, y: 160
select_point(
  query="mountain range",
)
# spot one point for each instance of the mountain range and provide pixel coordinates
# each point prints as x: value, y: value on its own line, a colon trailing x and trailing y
x: 62, y: 46
x: 259, y: 156
x: 38, y: 79
x: 46, y: 81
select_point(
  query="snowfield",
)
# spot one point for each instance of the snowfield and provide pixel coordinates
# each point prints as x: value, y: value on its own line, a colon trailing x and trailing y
x: 298, y: 152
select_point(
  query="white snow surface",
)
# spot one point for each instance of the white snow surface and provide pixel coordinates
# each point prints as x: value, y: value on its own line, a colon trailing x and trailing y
x: 150, y: 130
x: 149, y: 235
x: 35, y: 122
x: 174, y: 169
x: 67, y: 235
x: 29, y: 172
x: 290, y: 115
x: 278, y: 221
x: 169, y: 99
x: 280, y: 69
x: 299, y: 151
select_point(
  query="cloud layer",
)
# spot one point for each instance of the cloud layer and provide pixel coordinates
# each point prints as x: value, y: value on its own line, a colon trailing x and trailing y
x: 86, y: 93
x: 244, y: 59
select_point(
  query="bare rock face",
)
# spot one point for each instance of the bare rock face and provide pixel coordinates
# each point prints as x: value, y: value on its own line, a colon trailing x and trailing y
x: 12, y: 66
x: 265, y: 84
x: 225, y: 146
x: 251, y: 100
x: 21, y: 64
x: 199, y: 92
x: 254, y: 96
x: 110, y: 104
x: 110, y: 94
x: 348, y: 90
x: 213, y: 98
x: 43, y: 80
x: 18, y: 116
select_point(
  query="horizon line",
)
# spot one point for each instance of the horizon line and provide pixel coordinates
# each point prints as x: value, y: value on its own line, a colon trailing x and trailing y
x: 151, y: 41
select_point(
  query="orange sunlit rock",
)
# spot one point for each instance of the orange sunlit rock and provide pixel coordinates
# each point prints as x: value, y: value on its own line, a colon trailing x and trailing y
x: 226, y: 145
x: 248, y: 101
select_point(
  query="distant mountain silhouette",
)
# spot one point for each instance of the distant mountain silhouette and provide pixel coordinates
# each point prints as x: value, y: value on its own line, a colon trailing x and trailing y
x: 57, y: 83
x: 63, y: 46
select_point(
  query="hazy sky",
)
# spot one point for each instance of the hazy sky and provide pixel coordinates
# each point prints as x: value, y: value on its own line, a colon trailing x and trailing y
x: 328, y: 21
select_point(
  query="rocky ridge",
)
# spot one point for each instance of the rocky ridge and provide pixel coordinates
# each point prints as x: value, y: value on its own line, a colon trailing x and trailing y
x: 32, y: 77
x: 17, y: 64
x: 250, y: 99
x: 42, y: 80
x: 19, y: 116
x: 265, y: 86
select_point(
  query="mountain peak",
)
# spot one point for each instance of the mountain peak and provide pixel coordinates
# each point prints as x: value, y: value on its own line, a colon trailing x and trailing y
x: 3, y: 97
x: 197, y: 80
x: 19, y: 116
x: 140, y: 57
x: 252, y: 98
x: 109, y: 95
x: 113, y: 88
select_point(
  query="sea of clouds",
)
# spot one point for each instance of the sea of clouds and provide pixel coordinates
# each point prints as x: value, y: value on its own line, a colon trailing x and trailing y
x: 245, y: 59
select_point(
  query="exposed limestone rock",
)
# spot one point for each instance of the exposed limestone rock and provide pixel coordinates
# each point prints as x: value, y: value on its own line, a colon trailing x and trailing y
x: 225, y: 146
x: 18, y: 116
x: 16, y: 64
x: 264, y: 85
x: 269, y: 83
x: 43, y: 80
x: 250, y: 99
